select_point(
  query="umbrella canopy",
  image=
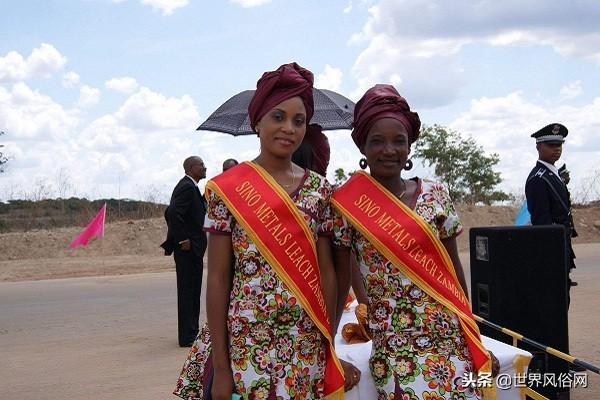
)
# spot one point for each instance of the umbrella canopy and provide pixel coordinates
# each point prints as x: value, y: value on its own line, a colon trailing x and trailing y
x: 332, y: 111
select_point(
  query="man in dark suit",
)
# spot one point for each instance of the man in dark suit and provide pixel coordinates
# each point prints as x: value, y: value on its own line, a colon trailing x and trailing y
x: 186, y: 240
x: 547, y: 195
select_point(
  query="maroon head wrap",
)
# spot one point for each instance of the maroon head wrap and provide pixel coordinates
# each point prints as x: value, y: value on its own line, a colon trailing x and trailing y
x: 320, y: 148
x: 289, y: 80
x: 383, y: 101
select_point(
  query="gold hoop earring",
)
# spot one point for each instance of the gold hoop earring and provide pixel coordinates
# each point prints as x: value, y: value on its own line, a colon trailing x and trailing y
x: 363, y: 163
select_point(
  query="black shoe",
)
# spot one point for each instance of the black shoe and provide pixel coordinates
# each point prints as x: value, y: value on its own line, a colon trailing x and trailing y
x: 573, y: 283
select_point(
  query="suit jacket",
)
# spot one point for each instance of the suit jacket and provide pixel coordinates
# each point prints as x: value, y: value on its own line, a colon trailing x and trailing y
x: 548, y: 200
x: 185, y: 218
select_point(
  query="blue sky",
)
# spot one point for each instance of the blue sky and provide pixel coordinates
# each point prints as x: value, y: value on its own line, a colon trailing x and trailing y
x: 101, y: 98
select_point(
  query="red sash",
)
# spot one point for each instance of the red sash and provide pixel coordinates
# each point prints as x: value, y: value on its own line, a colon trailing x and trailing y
x: 407, y: 241
x: 274, y: 224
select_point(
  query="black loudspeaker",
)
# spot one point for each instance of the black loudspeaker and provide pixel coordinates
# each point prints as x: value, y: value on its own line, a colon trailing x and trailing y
x: 519, y: 281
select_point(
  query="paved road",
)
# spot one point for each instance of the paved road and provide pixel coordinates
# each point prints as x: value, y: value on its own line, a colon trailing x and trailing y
x: 89, y: 338
x: 115, y: 337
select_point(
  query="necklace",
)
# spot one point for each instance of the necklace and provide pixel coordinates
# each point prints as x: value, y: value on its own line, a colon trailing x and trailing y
x: 293, y: 178
x: 271, y: 173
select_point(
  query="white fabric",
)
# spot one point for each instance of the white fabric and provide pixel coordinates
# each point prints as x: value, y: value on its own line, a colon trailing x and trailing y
x: 550, y: 138
x: 551, y: 167
x: 195, y: 183
x: 358, y: 354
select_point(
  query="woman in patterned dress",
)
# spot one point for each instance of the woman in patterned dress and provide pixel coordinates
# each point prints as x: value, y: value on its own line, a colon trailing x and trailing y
x: 419, y: 351
x: 264, y: 344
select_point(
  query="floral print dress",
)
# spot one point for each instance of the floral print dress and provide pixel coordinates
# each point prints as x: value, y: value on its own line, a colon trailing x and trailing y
x: 418, y: 348
x: 276, y: 351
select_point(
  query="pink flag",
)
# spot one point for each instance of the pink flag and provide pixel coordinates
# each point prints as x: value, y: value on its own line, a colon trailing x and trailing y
x: 94, y: 228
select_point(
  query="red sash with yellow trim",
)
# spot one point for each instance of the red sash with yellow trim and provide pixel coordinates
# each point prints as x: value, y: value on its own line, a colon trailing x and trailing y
x: 407, y: 241
x: 274, y: 224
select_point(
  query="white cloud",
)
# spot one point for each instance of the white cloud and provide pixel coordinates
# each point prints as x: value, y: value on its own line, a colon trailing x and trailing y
x: 571, y: 90
x: 88, y: 96
x: 141, y: 143
x: 417, y: 49
x: 348, y: 7
x: 250, y: 3
x: 106, y: 134
x: 344, y: 154
x: 165, y: 6
x: 26, y: 114
x: 503, y: 125
x: 150, y: 110
x: 505, y: 22
x: 13, y: 67
x: 424, y: 82
x: 330, y: 78
x: 125, y: 84
x: 43, y: 61
x: 70, y: 80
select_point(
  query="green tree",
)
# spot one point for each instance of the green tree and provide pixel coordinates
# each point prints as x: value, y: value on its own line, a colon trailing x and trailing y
x: 3, y: 159
x: 340, y: 176
x: 461, y: 164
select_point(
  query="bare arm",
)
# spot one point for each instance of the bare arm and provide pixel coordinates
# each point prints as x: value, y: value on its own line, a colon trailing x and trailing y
x: 343, y: 273
x: 357, y: 283
x: 218, y: 286
x: 328, y: 278
x: 452, y: 249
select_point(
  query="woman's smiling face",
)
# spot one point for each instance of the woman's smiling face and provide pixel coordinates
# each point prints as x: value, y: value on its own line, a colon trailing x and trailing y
x: 282, y: 129
x: 386, y: 148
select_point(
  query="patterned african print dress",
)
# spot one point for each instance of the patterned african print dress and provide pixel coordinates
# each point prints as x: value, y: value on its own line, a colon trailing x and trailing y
x: 418, y: 348
x: 276, y: 351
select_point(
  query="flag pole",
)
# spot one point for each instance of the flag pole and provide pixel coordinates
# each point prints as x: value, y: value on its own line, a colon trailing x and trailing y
x: 102, y: 241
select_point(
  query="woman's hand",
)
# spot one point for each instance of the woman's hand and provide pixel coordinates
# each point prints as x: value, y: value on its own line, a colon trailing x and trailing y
x: 351, y: 375
x: 222, y: 385
x: 495, y: 365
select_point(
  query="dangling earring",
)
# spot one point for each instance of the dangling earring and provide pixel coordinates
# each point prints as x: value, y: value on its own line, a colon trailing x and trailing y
x: 363, y: 163
x: 409, y: 164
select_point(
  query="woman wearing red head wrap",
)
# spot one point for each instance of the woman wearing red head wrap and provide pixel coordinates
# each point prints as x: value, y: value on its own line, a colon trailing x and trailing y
x: 403, y: 234
x: 269, y: 223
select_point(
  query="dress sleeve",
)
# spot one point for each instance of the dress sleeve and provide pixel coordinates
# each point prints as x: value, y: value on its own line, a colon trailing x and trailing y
x: 342, y: 231
x: 218, y: 218
x: 437, y: 209
x: 449, y: 224
x: 325, y: 216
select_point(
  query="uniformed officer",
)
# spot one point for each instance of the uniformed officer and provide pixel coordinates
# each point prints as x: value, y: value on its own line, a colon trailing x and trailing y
x: 548, y: 199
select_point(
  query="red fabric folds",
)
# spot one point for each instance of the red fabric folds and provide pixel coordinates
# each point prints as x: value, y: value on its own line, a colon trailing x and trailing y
x: 287, y: 81
x: 320, y: 148
x: 383, y: 101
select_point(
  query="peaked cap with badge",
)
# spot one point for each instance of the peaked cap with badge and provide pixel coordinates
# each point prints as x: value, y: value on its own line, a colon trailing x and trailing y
x: 552, y: 133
